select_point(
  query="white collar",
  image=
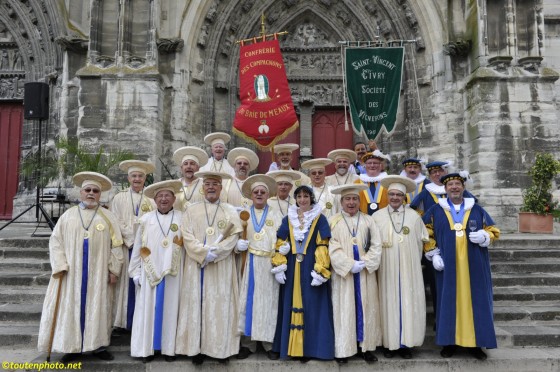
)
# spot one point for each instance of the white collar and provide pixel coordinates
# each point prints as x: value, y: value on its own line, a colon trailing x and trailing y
x: 308, y: 218
x: 367, y: 179
x: 418, y: 178
x: 435, y: 189
x: 469, y: 203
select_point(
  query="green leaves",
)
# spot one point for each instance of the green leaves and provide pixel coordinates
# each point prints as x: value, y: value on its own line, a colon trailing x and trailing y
x: 538, y: 197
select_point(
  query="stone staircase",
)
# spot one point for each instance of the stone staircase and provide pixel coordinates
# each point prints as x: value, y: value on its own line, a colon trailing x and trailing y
x: 526, y: 277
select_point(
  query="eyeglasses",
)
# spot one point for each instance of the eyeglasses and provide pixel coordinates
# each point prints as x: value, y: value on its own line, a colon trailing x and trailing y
x: 395, y: 194
x: 88, y: 190
x: 318, y: 173
x: 259, y: 192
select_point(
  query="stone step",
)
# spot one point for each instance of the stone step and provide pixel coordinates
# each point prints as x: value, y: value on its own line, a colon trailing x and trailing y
x: 27, y: 242
x: 22, y: 294
x: 37, y: 253
x: 25, y: 264
x: 536, y: 334
x: 21, y: 312
x: 525, y: 294
x: 29, y: 278
x: 527, y: 313
x: 540, y: 265
x: 522, y: 254
x: 526, y: 241
x: 525, y: 279
x: 19, y: 333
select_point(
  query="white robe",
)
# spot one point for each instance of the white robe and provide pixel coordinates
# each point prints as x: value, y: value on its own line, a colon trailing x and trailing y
x: 343, y: 292
x: 163, y: 262
x: 66, y: 254
x: 231, y: 194
x: 208, y: 324
x: 189, y: 194
x: 281, y: 205
x: 327, y: 200
x: 401, y: 285
x: 266, y: 288
x: 337, y: 180
x: 218, y: 166
x: 125, y: 210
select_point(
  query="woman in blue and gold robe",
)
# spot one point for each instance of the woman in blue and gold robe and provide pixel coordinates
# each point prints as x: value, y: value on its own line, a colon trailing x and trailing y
x: 305, y: 321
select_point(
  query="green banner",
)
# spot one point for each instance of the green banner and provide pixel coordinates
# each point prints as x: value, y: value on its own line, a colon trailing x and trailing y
x: 373, y: 84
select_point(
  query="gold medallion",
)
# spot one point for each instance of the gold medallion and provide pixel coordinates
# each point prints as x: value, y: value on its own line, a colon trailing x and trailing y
x: 86, y: 235
x: 328, y: 205
x: 221, y: 224
x: 299, y: 257
x: 209, y: 230
x: 257, y: 236
x: 100, y: 227
x: 165, y: 242
x: 406, y: 230
x: 400, y: 238
x: 145, y: 207
x: 298, y: 183
x: 174, y: 227
x: 200, y: 191
x: 459, y: 233
x: 458, y: 226
x: 269, y: 223
x: 354, y: 240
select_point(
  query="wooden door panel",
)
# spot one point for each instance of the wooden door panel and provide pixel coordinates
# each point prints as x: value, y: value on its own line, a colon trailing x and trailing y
x: 11, y: 119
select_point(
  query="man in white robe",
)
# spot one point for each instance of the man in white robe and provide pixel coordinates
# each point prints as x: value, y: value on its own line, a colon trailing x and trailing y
x: 342, y: 160
x: 321, y: 190
x: 156, y: 266
x: 285, y: 180
x: 243, y: 161
x: 284, y: 153
x: 258, y: 306
x: 128, y: 206
x: 189, y: 159
x: 218, y: 146
x: 86, y: 258
x: 208, y: 309
x: 401, y: 286
x: 355, y: 251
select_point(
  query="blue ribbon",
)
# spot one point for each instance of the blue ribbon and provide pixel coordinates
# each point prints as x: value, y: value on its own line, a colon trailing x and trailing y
x: 250, y: 294
x: 358, y: 297
x: 458, y: 215
x: 258, y: 225
x: 83, y: 290
x: 131, y: 301
x: 158, y: 318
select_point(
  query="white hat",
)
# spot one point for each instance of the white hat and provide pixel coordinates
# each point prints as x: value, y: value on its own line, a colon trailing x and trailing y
x: 211, y: 174
x: 141, y: 166
x: 285, y: 147
x: 243, y: 152
x: 342, y: 153
x: 403, y: 184
x: 284, y: 175
x: 258, y: 180
x: 190, y: 153
x: 351, y: 188
x: 92, y: 178
x: 316, y: 163
x: 217, y: 137
x: 172, y: 185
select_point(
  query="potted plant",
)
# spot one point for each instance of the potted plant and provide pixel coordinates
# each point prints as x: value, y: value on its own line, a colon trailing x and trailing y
x: 536, y: 213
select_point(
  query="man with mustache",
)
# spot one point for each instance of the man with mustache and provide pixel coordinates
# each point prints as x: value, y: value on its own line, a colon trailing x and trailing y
x: 342, y: 160
x: 284, y: 153
x: 189, y: 159
x: 86, y: 256
x: 413, y: 170
x: 285, y: 180
x: 243, y: 161
x: 321, y: 190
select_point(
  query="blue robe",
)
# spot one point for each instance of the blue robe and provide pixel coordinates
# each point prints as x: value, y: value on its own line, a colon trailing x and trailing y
x: 425, y: 199
x: 317, y: 306
x: 438, y: 225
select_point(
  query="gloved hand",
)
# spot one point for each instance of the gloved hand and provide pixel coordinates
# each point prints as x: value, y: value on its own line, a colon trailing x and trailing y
x: 317, y: 279
x: 437, y: 261
x: 242, y: 245
x: 239, y: 209
x: 357, y: 267
x: 211, y: 256
x: 136, y: 280
x: 279, y: 273
x: 284, y: 249
x: 480, y: 237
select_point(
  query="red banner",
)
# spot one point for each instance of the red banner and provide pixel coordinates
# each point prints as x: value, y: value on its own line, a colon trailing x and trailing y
x: 266, y: 114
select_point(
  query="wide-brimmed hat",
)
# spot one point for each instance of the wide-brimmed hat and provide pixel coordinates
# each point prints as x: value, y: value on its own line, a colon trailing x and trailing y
x: 211, y: 174
x: 141, y: 166
x: 92, y: 178
x: 284, y: 175
x: 285, y: 147
x: 342, y: 153
x: 316, y: 163
x: 172, y: 185
x: 351, y: 188
x: 258, y: 180
x: 217, y: 137
x: 243, y: 152
x: 190, y: 153
x: 401, y: 183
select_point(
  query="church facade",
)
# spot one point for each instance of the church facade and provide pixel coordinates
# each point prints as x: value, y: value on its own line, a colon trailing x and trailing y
x: 479, y: 87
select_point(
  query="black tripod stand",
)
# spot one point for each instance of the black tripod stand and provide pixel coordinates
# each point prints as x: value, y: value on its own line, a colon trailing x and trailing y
x: 38, y: 206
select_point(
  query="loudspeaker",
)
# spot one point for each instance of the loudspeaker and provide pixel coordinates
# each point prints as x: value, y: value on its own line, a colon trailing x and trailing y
x: 36, y: 100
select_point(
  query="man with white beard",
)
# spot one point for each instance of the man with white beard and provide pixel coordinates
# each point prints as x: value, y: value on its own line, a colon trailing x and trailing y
x: 284, y: 153
x: 243, y: 161
x: 342, y: 160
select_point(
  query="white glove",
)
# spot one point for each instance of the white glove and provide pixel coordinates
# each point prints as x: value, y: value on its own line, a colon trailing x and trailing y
x: 239, y: 209
x: 211, y: 256
x: 357, y: 267
x: 273, y: 166
x: 480, y: 237
x: 136, y: 280
x: 317, y: 279
x: 437, y: 261
x: 279, y: 273
x: 432, y: 253
x: 242, y: 245
x: 284, y: 249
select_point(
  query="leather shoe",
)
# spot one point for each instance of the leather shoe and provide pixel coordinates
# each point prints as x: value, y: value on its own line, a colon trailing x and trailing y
x: 304, y: 359
x: 389, y: 353
x: 341, y: 360
x: 405, y: 353
x: 104, y: 355
x: 448, y: 351
x: 223, y: 361
x: 198, y: 359
x: 273, y: 355
x: 67, y: 358
x: 244, y: 353
x: 477, y: 353
x: 369, y: 356
x: 170, y: 358
x: 147, y: 359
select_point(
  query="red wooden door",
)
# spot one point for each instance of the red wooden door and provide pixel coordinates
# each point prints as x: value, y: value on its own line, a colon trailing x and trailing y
x: 11, y: 119
x: 265, y: 157
x: 328, y: 133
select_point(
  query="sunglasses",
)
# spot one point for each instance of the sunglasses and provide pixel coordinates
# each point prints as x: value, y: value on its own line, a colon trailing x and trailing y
x: 88, y: 190
x: 394, y: 194
x: 317, y: 173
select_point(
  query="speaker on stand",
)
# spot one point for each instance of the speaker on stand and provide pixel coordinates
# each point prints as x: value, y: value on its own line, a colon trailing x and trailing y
x: 36, y: 106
